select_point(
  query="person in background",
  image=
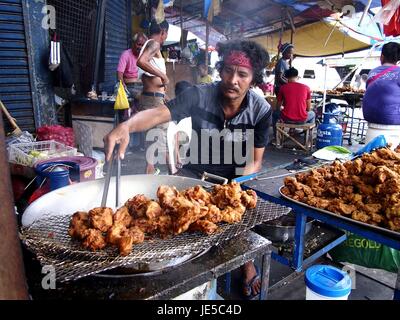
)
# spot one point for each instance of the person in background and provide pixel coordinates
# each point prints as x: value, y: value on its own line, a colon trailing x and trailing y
x: 218, y: 110
x: 204, y: 76
x: 128, y: 71
x: 154, y: 81
x: 381, y: 103
x: 283, y: 64
x: 295, y: 98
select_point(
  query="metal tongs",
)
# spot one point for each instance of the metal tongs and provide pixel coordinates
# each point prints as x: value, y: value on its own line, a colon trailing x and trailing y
x: 108, y: 178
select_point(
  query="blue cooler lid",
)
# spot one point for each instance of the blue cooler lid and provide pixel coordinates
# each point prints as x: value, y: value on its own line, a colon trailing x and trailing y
x: 328, y: 281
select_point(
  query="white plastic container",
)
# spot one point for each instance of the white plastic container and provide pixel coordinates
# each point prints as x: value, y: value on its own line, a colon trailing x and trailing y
x: 327, y: 283
x: 391, y: 133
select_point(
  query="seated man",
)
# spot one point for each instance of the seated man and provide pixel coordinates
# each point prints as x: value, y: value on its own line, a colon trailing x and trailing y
x: 295, y: 98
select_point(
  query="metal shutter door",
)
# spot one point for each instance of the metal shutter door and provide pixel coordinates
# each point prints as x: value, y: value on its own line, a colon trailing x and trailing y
x: 15, y: 88
x: 116, y: 39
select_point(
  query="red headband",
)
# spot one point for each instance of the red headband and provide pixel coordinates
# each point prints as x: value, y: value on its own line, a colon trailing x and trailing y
x: 238, y: 58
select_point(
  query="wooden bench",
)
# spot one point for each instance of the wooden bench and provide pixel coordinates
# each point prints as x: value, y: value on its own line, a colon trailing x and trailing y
x: 281, y: 134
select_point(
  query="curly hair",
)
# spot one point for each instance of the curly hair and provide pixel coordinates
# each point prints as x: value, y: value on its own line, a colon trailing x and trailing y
x: 258, y: 56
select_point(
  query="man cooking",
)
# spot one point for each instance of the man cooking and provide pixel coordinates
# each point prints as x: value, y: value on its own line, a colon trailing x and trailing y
x: 154, y: 80
x: 226, y: 114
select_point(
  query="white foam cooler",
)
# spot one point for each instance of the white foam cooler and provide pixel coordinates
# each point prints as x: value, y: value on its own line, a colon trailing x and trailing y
x: 327, y: 283
x: 391, y: 133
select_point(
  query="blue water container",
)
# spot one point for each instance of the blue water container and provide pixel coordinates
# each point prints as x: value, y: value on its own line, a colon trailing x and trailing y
x: 57, y: 172
x: 325, y: 282
x: 330, y: 132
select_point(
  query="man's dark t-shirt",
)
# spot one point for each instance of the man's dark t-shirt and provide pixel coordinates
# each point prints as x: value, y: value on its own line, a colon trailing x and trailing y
x: 281, y: 66
x: 230, y: 137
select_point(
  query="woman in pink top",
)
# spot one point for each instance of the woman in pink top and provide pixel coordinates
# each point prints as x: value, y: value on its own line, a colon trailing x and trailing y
x: 128, y: 70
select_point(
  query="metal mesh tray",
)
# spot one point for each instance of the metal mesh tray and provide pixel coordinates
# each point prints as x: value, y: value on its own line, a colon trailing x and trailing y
x: 48, y: 238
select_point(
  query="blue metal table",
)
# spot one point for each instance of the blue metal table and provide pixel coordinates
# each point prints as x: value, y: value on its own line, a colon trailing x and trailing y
x: 297, y: 262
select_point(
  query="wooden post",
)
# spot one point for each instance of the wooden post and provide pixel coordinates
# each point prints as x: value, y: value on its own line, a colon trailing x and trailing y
x: 12, y: 275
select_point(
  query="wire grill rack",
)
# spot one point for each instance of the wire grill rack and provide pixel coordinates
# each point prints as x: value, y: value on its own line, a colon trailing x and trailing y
x: 48, y: 238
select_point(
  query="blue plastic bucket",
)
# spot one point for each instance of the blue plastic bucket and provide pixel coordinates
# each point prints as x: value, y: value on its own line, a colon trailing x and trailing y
x: 327, y: 283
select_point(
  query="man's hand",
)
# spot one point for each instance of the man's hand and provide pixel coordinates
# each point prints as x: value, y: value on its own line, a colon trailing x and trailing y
x: 120, y: 135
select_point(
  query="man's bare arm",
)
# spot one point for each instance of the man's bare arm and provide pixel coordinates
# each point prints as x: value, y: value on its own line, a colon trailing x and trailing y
x: 308, y: 104
x: 144, y: 61
x: 120, y: 76
x: 142, y: 121
x: 256, y: 165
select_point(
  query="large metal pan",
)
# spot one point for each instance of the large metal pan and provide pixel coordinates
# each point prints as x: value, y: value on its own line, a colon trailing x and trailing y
x: 87, y: 195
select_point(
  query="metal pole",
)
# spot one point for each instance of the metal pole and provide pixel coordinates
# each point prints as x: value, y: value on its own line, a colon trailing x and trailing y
x: 207, y: 41
x: 100, y: 33
x: 324, y: 98
x: 181, y: 22
x: 12, y: 274
x: 365, y: 12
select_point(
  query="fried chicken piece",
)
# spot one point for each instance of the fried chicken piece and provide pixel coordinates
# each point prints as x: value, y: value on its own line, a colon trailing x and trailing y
x: 137, y: 235
x: 166, y: 196
x: 214, y: 214
x: 115, y: 232
x: 145, y: 225
x: 127, y: 239
x: 227, y: 195
x: 286, y: 191
x: 393, y: 211
x: 122, y: 216
x: 94, y: 240
x: 249, y: 199
x: 101, y: 218
x: 394, y: 224
x: 387, y: 154
x: 233, y: 214
x: 390, y: 186
x: 137, y: 206
x: 204, y: 226
x: 186, y: 212
x: 153, y: 210
x: 369, y: 169
x: 317, y: 202
x: 164, y: 225
x: 125, y: 244
x: 383, y: 173
x: 79, y: 225
x: 354, y: 167
x: 198, y: 194
x: 338, y: 206
x: 375, y: 217
x: 360, y: 216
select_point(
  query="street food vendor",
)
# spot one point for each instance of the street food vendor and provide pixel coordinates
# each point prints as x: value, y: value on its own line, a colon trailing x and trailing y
x: 283, y: 64
x: 228, y: 120
x: 381, y: 103
x: 128, y: 71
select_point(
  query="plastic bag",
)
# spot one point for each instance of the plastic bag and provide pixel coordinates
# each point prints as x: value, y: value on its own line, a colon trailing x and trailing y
x: 366, y: 253
x: 376, y: 143
x: 121, y: 102
x: 57, y: 133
